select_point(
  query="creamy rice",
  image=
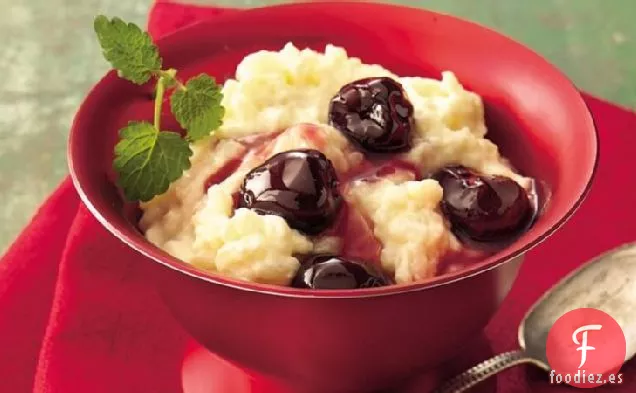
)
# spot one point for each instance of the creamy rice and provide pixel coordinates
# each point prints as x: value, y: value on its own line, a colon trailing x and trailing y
x: 408, y: 223
x: 287, y: 91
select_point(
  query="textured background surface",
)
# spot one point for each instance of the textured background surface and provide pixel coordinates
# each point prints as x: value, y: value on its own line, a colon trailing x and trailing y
x: 49, y: 59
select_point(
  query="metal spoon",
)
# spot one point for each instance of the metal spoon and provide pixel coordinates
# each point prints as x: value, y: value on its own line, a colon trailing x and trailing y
x: 605, y: 283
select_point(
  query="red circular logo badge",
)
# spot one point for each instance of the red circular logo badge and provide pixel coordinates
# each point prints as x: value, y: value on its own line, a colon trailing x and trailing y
x: 586, y: 348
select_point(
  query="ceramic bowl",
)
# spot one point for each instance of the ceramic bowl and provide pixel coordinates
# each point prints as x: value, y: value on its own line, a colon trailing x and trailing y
x: 352, y: 341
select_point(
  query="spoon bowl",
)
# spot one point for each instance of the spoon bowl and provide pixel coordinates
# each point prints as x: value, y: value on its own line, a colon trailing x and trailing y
x: 605, y: 283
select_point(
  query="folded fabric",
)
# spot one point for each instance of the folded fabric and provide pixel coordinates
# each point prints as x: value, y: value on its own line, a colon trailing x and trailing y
x: 78, y: 312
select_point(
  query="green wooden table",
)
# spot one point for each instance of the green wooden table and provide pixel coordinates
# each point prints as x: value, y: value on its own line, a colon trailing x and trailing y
x: 49, y: 59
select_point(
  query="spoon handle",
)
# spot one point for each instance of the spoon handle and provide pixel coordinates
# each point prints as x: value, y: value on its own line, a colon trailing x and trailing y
x: 483, y: 371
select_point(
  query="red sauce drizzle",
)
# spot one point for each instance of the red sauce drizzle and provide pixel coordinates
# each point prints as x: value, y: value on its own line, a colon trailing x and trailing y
x: 258, y: 141
x: 310, y: 132
x: 236, y: 199
x: 254, y: 145
x: 352, y: 227
x: 376, y: 170
x: 356, y: 233
x: 224, y: 172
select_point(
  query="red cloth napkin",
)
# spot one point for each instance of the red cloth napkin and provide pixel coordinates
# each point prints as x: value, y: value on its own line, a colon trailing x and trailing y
x: 77, y: 313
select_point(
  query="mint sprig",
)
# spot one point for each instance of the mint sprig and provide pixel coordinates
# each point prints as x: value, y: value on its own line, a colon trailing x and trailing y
x: 147, y: 158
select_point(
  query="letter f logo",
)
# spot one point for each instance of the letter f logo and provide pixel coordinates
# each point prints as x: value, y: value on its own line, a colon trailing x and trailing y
x: 583, y: 343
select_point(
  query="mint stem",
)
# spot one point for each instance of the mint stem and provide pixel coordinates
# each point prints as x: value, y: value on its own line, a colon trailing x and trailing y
x: 170, y: 77
x: 159, y: 101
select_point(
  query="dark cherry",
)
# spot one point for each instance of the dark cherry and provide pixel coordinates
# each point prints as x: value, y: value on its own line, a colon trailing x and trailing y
x: 334, y: 272
x: 375, y: 113
x: 481, y: 207
x: 299, y: 185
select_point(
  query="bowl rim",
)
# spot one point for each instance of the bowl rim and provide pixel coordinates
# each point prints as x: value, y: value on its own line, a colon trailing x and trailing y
x: 157, y: 255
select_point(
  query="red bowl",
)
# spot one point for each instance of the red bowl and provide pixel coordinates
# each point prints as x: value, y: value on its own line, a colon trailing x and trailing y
x: 345, y: 341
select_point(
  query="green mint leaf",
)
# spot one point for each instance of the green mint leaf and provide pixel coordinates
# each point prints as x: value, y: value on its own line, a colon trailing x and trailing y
x: 198, y: 107
x: 128, y: 49
x: 147, y: 160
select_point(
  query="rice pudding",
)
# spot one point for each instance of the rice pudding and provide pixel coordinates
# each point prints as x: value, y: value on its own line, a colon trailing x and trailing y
x: 331, y: 173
